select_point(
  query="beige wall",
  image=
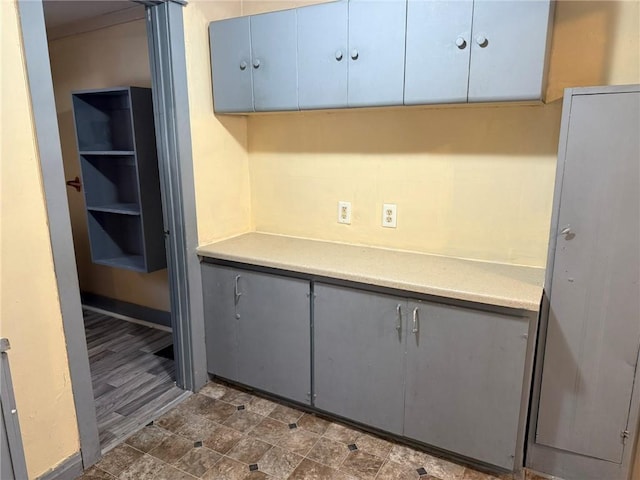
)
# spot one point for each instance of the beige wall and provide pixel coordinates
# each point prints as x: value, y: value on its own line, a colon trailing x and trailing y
x: 29, y: 310
x: 470, y: 181
x: 220, y: 159
x: 109, y: 57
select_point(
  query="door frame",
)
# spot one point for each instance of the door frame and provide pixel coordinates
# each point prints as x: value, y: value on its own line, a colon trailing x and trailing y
x: 165, y: 34
x: 541, y: 457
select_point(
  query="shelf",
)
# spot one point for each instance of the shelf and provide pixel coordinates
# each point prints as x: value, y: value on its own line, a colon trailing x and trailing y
x: 120, y: 208
x: 107, y: 152
x: 130, y: 262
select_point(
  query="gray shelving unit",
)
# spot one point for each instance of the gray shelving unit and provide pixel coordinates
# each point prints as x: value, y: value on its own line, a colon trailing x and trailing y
x: 118, y: 161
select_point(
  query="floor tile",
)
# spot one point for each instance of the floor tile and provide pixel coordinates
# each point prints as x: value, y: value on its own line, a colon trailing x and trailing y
x: 249, y: 450
x: 197, y: 461
x: 198, y: 428
x: 470, y: 474
x: 235, y: 397
x: 223, y: 440
x: 408, y: 456
x: 175, y: 418
x: 148, y: 438
x: 261, y: 406
x: 213, y: 390
x: 198, y: 404
x: 172, y: 448
x: 257, y: 475
x: 227, y: 469
x: 298, y: 441
x: 94, y: 473
x: 310, y: 470
x: 341, y: 433
x: 167, y: 472
x: 269, y: 430
x: 395, y: 471
x: 285, y: 414
x: 145, y: 468
x: 373, y: 445
x: 443, y: 469
x: 279, y: 463
x: 219, y: 411
x: 362, y: 465
x: 243, y: 420
x: 118, y: 459
x: 313, y: 423
x: 329, y: 452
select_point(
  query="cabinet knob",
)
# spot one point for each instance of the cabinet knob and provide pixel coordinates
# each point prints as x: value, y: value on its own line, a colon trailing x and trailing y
x: 461, y: 43
x: 354, y: 54
x: 243, y: 65
x: 338, y: 55
x: 482, y: 41
x: 256, y: 63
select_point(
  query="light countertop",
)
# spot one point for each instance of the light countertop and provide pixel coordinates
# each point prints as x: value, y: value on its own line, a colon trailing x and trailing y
x: 482, y: 282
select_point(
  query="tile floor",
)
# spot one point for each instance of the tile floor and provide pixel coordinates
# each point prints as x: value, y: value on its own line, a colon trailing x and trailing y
x: 222, y: 433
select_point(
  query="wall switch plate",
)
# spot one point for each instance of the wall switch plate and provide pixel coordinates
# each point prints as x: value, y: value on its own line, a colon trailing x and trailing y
x: 344, y: 212
x: 389, y: 215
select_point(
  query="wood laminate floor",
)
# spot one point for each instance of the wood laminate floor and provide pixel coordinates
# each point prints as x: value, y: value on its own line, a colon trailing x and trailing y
x: 131, y: 384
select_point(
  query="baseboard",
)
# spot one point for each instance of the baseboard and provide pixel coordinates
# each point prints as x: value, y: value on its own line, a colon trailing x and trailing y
x: 69, y: 469
x: 126, y: 309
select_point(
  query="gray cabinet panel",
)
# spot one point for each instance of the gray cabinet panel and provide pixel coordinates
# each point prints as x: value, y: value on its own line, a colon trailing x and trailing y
x: 508, y: 49
x: 220, y: 320
x: 437, y: 68
x: 593, y: 330
x: 359, y: 356
x: 274, y: 61
x: 464, y: 381
x: 231, y: 65
x: 376, y: 52
x: 274, y: 334
x: 322, y: 55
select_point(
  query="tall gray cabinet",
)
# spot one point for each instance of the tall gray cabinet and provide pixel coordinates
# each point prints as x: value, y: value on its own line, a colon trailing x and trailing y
x: 585, y: 419
x: 117, y: 148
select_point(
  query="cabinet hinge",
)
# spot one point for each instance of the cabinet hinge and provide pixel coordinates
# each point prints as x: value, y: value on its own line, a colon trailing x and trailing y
x: 624, y: 434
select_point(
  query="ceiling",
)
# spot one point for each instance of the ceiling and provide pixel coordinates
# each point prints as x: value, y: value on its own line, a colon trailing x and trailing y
x: 59, y: 13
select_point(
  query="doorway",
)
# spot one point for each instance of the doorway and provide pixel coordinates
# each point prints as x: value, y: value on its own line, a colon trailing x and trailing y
x: 165, y: 37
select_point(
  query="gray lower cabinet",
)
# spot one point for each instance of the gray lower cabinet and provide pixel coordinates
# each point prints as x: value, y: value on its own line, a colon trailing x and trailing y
x: 465, y: 371
x: 359, y: 355
x: 258, y: 330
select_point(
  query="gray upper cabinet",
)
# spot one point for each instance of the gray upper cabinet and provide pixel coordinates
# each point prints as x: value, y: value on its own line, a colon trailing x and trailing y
x: 323, y: 55
x: 464, y: 380
x: 438, y: 49
x: 508, y: 50
x: 231, y: 65
x: 376, y: 52
x: 359, y: 355
x: 258, y: 330
x: 274, y: 61
x: 476, y: 50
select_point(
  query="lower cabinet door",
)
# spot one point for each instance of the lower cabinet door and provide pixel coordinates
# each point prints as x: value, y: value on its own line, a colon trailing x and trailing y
x: 464, y: 380
x: 219, y: 320
x: 359, y: 356
x: 274, y: 334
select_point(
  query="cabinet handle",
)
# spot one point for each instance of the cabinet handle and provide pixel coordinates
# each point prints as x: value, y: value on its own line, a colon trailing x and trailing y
x: 243, y: 65
x: 355, y: 54
x: 399, y: 318
x: 482, y: 41
x: 256, y: 63
x: 461, y: 43
x: 416, y: 325
x: 338, y: 55
x: 236, y: 293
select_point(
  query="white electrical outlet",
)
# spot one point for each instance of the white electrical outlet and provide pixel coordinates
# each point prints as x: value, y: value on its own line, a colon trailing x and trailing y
x: 389, y: 215
x: 344, y: 212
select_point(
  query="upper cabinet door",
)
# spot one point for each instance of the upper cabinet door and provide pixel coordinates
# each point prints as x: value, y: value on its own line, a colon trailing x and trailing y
x: 376, y: 52
x: 274, y: 61
x: 438, y: 47
x: 231, y: 65
x: 322, y: 55
x: 508, y: 50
